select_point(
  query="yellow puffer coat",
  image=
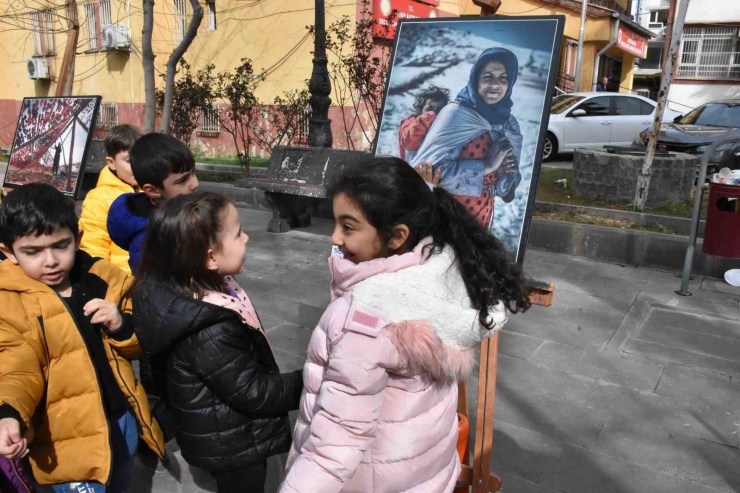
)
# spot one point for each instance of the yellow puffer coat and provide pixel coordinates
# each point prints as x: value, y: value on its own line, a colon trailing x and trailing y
x: 47, y: 375
x: 94, y: 219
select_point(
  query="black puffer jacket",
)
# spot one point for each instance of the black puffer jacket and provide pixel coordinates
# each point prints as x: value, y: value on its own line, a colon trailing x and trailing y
x: 225, y: 390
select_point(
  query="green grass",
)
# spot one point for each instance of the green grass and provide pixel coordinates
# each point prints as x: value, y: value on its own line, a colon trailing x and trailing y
x: 4, y: 158
x: 550, y: 191
x: 577, y: 217
x: 257, y: 162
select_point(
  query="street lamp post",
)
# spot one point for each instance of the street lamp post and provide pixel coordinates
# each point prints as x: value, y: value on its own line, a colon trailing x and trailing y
x: 319, y: 128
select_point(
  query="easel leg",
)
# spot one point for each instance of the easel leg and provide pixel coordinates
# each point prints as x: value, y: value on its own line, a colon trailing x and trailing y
x: 483, y: 481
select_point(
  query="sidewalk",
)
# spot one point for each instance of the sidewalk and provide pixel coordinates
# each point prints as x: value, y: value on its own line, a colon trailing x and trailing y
x: 621, y: 386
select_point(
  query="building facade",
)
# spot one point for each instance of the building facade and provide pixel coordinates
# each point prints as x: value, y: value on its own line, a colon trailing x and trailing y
x: 272, y: 33
x: 708, y: 67
x: 612, y: 40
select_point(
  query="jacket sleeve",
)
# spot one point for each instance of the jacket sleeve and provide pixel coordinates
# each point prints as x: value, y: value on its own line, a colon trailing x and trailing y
x: 94, y: 222
x: 124, y: 340
x: 226, y: 360
x: 414, y: 129
x: 345, y: 424
x: 21, y: 376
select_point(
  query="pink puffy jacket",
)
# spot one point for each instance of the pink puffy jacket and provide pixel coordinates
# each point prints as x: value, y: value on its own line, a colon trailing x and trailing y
x: 378, y: 412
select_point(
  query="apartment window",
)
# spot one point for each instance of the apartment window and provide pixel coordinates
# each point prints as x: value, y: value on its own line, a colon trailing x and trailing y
x: 212, y: 15
x: 181, y: 26
x: 658, y: 19
x: 710, y: 53
x: 92, y: 19
x: 107, y: 115
x: 209, y: 122
x: 105, y: 13
x: 42, y: 27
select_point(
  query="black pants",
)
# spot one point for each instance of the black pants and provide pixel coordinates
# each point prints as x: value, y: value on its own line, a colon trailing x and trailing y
x: 251, y: 479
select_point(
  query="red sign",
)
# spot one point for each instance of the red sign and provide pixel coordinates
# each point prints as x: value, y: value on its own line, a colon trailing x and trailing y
x: 631, y: 42
x: 431, y: 2
x: 387, y: 13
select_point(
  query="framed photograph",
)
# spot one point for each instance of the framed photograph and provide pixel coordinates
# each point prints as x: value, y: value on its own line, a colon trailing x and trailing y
x: 51, y: 142
x: 471, y: 96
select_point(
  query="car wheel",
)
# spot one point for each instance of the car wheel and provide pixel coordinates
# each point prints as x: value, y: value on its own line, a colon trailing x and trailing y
x: 550, y: 149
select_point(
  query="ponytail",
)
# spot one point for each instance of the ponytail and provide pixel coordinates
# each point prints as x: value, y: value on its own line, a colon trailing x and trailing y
x: 389, y: 192
x: 485, y: 266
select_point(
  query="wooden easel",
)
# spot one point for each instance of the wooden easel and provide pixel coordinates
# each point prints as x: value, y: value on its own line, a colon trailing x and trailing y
x: 478, y: 474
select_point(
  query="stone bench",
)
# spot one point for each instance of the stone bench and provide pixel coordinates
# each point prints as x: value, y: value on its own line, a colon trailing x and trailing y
x: 296, y: 181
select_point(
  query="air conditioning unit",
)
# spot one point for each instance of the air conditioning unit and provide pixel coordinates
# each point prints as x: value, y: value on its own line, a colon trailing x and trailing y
x: 116, y: 37
x: 37, y: 68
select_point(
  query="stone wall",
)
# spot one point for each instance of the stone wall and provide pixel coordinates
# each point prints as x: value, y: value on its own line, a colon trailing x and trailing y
x: 613, y: 177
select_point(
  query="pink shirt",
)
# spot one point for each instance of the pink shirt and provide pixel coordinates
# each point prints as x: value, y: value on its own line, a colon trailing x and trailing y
x: 237, y: 301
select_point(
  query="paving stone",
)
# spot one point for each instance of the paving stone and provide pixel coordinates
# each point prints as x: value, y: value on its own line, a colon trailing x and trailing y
x: 598, y: 366
x: 567, y: 325
x: 701, y: 323
x: 511, y: 483
x: 527, y: 378
x: 286, y: 309
x: 310, y: 293
x: 649, y: 411
x: 591, y: 303
x: 290, y: 338
x: 719, y: 286
x: 569, y: 468
x: 560, y: 420
x: 688, y: 340
x: 694, y: 459
x: 288, y: 362
x: 701, y: 301
x: 657, y: 353
x: 517, y: 345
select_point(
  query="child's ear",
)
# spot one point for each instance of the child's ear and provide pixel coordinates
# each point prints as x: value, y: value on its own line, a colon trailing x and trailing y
x: 211, y: 262
x: 111, y: 163
x: 152, y: 192
x: 8, y: 253
x: 398, y: 237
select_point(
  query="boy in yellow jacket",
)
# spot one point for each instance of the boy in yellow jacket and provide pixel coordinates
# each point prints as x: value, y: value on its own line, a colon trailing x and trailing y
x: 116, y: 178
x: 69, y: 399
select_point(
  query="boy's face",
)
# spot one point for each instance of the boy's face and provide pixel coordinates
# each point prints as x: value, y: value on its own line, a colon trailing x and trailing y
x: 175, y: 184
x: 122, y: 166
x: 46, y: 258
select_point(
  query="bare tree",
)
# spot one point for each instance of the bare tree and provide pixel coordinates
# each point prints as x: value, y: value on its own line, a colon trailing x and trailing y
x: 67, y: 73
x: 147, y: 60
x: 174, y: 59
x: 282, y: 123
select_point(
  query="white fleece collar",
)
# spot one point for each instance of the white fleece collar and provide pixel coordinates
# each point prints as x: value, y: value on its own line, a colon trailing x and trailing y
x: 433, y: 292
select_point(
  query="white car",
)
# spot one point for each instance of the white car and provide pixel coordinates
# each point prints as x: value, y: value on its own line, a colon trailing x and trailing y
x: 597, y: 119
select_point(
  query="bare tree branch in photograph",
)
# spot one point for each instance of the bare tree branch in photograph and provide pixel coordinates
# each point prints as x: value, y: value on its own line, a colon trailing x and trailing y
x: 173, y: 61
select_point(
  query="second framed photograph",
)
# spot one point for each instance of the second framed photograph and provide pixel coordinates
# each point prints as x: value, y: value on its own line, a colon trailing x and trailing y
x: 471, y: 96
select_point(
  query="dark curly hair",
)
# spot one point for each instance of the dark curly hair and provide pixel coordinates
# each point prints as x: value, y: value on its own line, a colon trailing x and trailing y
x: 389, y: 192
x: 432, y: 92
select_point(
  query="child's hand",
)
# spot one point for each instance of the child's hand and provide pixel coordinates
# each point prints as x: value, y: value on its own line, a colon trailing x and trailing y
x: 12, y: 445
x: 104, y: 312
x: 426, y: 170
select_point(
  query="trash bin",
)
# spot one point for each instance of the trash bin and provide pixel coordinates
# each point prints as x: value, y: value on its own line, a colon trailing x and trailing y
x: 722, y: 234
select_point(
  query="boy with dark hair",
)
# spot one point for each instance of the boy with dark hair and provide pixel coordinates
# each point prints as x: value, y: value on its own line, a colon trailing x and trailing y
x: 66, y: 339
x: 164, y: 168
x: 427, y: 104
x: 115, y: 179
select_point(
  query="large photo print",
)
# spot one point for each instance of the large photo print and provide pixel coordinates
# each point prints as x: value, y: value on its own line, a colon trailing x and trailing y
x: 51, y: 141
x: 471, y: 97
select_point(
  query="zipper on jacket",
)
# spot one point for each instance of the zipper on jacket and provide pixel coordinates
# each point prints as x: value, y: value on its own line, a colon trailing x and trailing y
x: 20, y: 478
x: 100, y: 385
x: 46, y: 346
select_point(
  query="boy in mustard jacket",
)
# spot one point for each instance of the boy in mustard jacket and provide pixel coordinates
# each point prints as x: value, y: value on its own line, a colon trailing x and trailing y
x: 69, y: 399
x: 116, y: 178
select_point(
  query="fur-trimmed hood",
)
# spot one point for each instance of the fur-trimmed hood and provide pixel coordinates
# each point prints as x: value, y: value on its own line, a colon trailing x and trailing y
x: 422, y: 302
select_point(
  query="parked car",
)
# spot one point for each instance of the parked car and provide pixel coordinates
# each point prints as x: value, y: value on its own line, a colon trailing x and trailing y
x: 596, y: 119
x: 699, y: 129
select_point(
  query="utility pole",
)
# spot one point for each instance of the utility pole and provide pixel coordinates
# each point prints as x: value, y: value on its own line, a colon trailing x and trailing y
x: 581, y: 36
x: 669, y: 31
x: 319, y: 127
x: 643, y: 181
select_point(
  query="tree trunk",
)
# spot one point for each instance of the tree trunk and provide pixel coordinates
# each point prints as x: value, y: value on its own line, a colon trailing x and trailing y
x: 147, y: 60
x: 169, y: 88
x: 67, y: 73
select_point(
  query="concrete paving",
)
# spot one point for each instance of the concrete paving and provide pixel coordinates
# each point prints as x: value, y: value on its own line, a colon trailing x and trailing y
x: 621, y: 386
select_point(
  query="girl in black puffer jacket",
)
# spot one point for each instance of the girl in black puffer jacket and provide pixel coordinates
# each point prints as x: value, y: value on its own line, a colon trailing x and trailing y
x: 224, y: 388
